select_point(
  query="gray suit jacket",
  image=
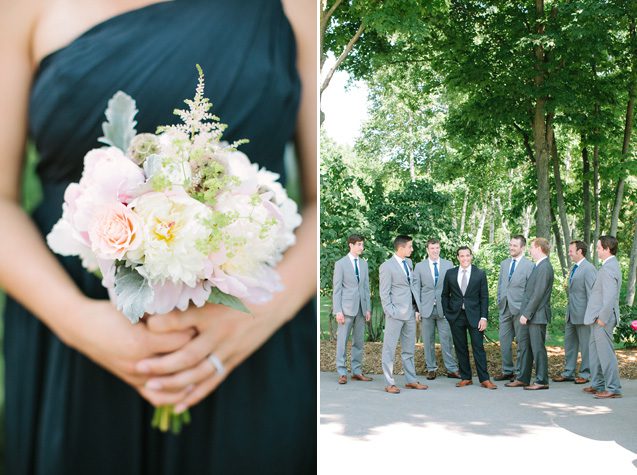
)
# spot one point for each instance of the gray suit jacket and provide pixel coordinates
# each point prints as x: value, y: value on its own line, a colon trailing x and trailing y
x: 536, y: 303
x: 579, y: 291
x: 604, y: 300
x: 512, y: 292
x: 348, y: 293
x: 425, y: 282
x: 396, y: 294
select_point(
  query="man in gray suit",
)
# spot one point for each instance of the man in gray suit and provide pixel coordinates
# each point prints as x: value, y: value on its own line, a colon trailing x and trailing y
x: 602, y: 314
x: 577, y: 335
x: 535, y: 315
x: 514, y: 273
x: 429, y: 276
x: 350, y: 302
x: 401, y: 304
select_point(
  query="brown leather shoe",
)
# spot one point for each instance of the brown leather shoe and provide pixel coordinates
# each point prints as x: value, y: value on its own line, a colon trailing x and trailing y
x: 342, y: 380
x: 536, y: 387
x: 504, y: 377
x: 361, y: 377
x: 516, y: 384
x: 488, y: 385
x: 431, y: 375
x: 561, y: 379
x: 416, y: 385
x: 590, y: 390
x: 454, y: 375
x: 392, y: 389
x: 607, y: 395
x: 463, y: 383
x: 581, y: 380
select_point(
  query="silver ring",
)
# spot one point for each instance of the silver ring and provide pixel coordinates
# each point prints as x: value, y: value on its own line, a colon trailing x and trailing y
x: 216, y: 362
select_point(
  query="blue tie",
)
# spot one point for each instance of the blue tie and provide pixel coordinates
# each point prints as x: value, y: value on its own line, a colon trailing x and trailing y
x: 356, y: 269
x: 406, y: 272
x: 572, y: 272
x: 436, y: 274
x: 512, y: 269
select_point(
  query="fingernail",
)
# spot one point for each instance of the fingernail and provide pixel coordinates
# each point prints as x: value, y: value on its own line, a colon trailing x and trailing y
x: 153, y: 384
x: 179, y: 408
x: 143, y: 367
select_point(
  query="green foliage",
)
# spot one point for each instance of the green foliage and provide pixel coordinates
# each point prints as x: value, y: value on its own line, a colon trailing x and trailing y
x: 119, y: 128
x: 624, y: 334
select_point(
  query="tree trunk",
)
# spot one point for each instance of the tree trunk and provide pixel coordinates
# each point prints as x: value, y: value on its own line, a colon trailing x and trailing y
x: 558, y: 244
x: 628, y: 127
x: 540, y: 143
x: 483, y: 218
x: 503, y: 223
x: 463, y: 218
x: 586, y: 195
x: 632, y: 268
x: 528, y: 215
x: 561, y: 206
x: 492, y: 221
x: 595, y: 203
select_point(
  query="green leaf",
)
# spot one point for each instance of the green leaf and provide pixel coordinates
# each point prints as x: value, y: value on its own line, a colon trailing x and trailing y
x: 133, y: 293
x: 217, y: 296
x: 119, y: 128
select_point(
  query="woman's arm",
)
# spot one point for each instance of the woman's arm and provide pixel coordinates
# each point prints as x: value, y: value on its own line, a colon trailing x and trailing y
x: 28, y: 270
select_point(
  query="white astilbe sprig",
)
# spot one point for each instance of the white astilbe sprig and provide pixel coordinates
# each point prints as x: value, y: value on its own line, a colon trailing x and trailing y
x: 198, y: 121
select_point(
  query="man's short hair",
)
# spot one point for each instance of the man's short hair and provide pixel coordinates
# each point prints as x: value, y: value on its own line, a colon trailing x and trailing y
x: 543, y: 244
x: 463, y: 248
x: 610, y: 243
x: 520, y: 238
x: 433, y: 241
x: 581, y: 245
x: 354, y: 238
x: 401, y: 241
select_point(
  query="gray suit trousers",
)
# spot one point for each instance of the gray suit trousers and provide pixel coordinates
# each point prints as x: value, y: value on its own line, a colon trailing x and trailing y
x: 428, y: 331
x: 342, y: 335
x: 509, y: 329
x: 533, y: 351
x: 576, y: 339
x: 406, y: 331
x: 603, y: 361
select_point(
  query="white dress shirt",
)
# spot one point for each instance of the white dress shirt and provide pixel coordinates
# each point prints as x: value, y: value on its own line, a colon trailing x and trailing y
x: 431, y: 268
x: 400, y: 261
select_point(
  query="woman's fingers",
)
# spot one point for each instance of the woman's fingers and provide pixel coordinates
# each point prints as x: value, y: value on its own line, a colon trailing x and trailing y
x: 189, y: 355
x: 169, y: 342
x: 172, y: 321
x: 181, y: 380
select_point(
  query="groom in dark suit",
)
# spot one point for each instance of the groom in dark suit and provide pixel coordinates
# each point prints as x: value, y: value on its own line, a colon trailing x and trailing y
x: 465, y: 301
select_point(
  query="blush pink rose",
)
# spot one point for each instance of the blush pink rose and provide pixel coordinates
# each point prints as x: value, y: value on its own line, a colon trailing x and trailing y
x: 633, y: 325
x: 114, y: 231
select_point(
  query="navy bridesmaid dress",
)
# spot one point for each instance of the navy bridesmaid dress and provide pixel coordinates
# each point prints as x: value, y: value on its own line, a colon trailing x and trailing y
x: 65, y: 414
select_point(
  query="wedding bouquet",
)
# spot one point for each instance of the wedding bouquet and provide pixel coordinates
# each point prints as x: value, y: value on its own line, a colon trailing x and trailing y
x: 175, y: 217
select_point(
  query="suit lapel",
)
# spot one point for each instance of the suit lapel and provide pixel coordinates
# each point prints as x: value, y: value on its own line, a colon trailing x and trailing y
x: 400, y: 269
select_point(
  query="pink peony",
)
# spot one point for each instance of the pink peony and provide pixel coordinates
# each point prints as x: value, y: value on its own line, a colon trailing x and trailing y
x: 633, y: 325
x: 115, y: 229
x: 110, y: 175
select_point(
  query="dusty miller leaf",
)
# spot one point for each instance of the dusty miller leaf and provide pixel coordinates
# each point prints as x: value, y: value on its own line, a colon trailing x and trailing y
x: 119, y: 128
x: 217, y: 296
x: 133, y: 293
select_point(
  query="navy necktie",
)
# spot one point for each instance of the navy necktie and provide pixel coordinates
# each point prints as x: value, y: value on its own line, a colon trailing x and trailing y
x: 512, y: 269
x: 436, y: 274
x: 573, y: 272
x: 358, y: 278
x: 406, y: 271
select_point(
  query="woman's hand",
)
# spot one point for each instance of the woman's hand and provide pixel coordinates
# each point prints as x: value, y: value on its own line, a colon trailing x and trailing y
x: 229, y: 334
x: 101, y: 332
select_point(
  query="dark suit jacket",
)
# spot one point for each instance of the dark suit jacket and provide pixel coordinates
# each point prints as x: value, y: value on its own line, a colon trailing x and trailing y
x: 536, y: 303
x: 475, y: 299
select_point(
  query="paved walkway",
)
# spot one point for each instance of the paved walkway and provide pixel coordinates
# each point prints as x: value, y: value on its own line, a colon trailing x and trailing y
x: 559, y: 431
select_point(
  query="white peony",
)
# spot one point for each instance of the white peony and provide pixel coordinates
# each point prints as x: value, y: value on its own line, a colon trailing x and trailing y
x: 173, y: 228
